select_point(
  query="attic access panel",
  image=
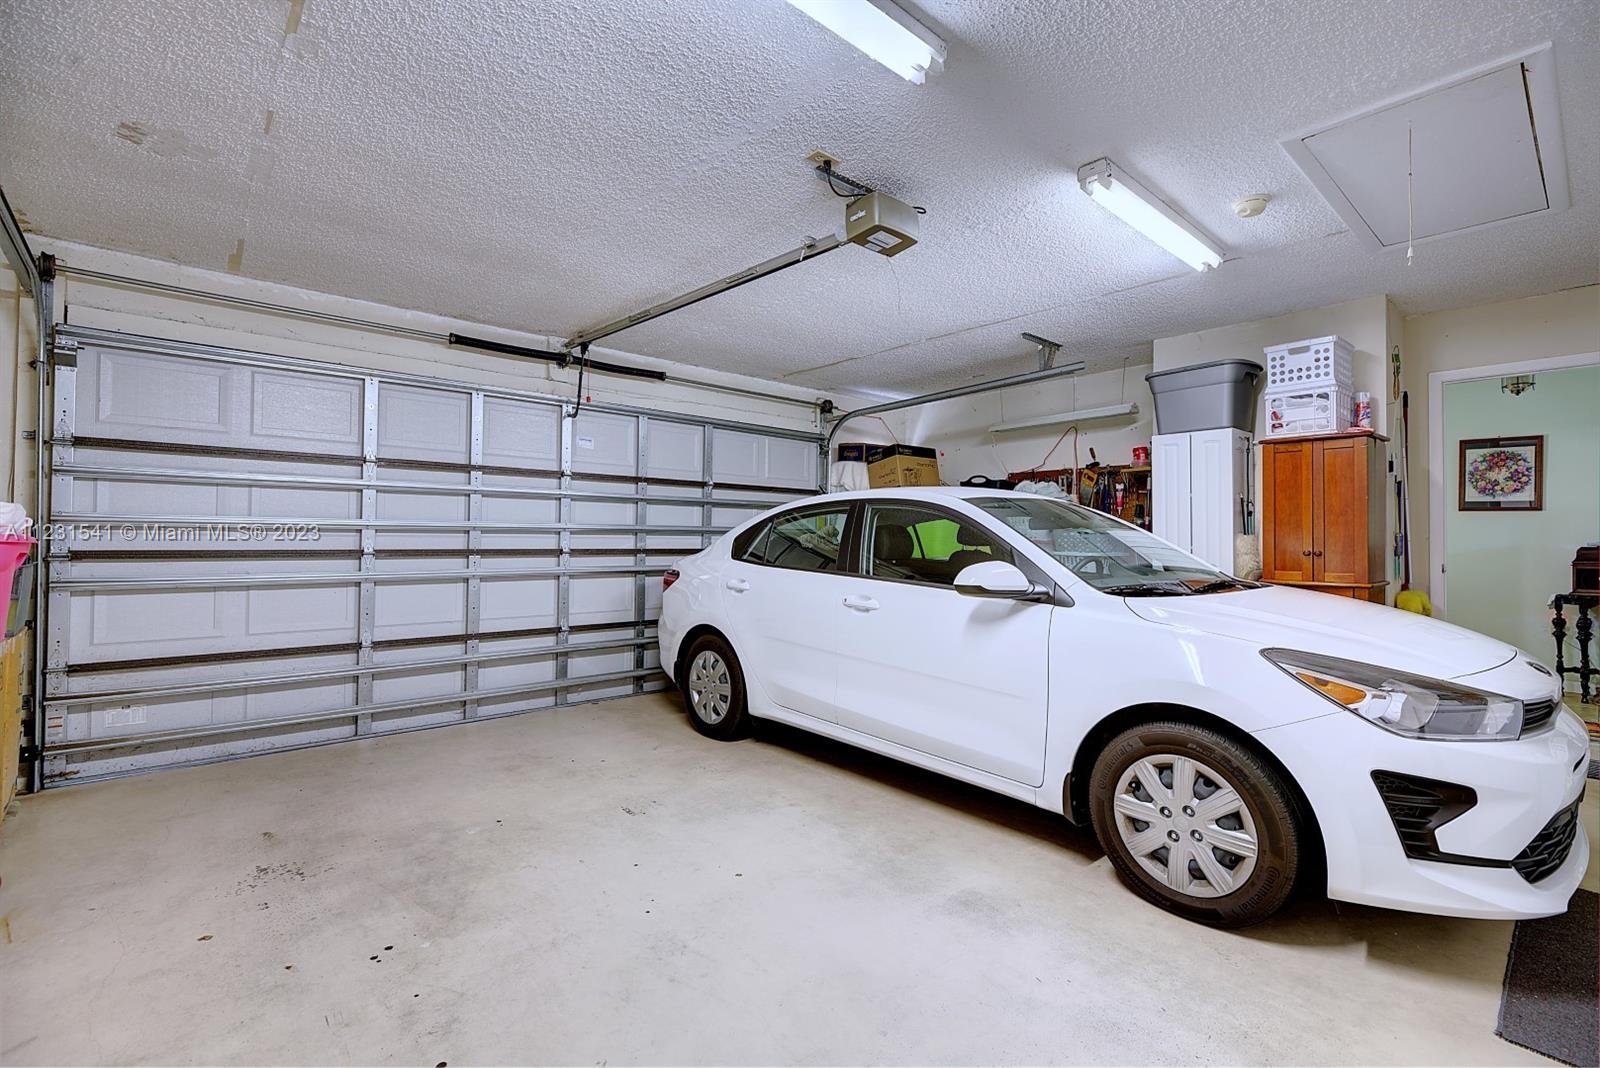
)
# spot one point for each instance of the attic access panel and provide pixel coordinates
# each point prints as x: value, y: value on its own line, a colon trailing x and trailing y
x: 1486, y: 148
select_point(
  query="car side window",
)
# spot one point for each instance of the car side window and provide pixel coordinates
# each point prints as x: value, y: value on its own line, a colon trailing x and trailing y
x: 914, y: 544
x: 811, y: 540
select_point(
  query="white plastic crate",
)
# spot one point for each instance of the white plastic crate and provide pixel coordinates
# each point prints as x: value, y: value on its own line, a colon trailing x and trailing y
x: 1316, y: 361
x: 1322, y: 410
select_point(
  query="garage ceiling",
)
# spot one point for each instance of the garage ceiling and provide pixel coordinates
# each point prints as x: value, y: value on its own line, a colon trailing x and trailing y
x: 549, y: 166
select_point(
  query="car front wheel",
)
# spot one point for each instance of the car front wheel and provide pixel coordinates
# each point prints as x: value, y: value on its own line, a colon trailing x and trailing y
x: 1196, y: 823
x: 713, y: 689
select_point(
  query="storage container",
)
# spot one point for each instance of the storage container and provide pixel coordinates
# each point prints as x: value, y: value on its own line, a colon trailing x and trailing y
x: 1326, y: 410
x: 1207, y: 396
x: 1316, y: 361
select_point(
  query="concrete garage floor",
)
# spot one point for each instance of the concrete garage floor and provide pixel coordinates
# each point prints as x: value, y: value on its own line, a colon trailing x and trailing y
x: 600, y: 884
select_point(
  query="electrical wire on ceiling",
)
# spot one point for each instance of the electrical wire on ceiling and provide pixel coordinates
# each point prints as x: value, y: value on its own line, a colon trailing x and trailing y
x: 859, y: 190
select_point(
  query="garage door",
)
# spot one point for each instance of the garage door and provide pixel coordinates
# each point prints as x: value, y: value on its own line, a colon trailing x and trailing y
x: 253, y: 553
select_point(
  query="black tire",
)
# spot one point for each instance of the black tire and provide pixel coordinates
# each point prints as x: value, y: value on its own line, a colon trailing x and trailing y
x: 722, y: 712
x: 1265, y: 813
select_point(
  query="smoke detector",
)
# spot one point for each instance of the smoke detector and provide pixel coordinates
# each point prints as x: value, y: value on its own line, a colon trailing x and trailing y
x: 1248, y: 207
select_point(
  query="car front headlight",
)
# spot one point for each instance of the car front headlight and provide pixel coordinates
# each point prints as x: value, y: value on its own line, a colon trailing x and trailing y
x: 1411, y: 705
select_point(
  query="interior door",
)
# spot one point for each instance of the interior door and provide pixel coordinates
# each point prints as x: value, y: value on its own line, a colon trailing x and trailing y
x: 1340, y: 485
x: 1286, y: 487
x: 958, y: 677
x: 784, y: 593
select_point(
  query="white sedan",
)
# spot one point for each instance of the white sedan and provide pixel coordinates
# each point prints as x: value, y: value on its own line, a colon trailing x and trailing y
x: 1224, y: 738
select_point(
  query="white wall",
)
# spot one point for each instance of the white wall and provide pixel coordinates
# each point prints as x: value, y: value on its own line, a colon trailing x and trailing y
x: 141, y: 311
x: 959, y: 428
x: 1556, y: 324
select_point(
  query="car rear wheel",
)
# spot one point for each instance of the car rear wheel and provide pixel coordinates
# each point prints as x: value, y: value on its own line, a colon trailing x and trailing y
x: 713, y: 689
x: 1196, y: 823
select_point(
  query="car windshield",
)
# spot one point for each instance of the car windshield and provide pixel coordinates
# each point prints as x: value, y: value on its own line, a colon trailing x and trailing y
x: 1107, y: 553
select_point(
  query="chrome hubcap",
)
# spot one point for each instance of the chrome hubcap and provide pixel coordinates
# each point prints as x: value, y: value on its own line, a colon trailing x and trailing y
x: 710, y: 691
x: 1186, y: 825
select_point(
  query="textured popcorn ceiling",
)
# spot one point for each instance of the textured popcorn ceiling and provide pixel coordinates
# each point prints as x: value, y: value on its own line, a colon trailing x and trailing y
x: 548, y: 166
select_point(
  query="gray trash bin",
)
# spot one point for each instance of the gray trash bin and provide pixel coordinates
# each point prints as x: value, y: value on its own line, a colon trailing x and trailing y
x: 1207, y: 396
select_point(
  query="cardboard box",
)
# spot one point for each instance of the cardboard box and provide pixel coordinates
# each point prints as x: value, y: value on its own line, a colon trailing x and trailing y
x: 854, y: 452
x: 902, y: 465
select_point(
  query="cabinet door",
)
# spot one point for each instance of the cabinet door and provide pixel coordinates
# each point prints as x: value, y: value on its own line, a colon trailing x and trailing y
x: 1339, y: 482
x: 1170, y: 489
x: 1286, y: 492
x: 1217, y: 464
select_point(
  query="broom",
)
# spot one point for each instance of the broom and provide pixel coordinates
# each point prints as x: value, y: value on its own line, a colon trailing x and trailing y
x: 1408, y: 599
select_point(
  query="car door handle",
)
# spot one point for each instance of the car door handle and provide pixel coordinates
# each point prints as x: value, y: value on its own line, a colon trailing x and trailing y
x: 861, y: 604
x: 737, y: 585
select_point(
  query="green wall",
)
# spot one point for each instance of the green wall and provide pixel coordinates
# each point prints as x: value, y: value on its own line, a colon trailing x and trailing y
x: 1504, y: 566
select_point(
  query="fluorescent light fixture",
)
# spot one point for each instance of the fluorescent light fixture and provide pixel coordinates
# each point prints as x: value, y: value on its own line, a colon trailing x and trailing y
x: 882, y: 30
x: 1110, y: 411
x: 1110, y: 187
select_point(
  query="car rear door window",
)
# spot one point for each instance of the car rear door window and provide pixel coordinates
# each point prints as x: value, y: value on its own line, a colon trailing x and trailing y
x: 912, y: 544
x: 811, y: 540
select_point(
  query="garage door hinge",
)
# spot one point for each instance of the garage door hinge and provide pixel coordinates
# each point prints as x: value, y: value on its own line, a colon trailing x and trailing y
x: 66, y: 353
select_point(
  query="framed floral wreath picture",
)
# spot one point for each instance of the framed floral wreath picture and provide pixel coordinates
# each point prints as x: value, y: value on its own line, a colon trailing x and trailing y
x: 1502, y: 474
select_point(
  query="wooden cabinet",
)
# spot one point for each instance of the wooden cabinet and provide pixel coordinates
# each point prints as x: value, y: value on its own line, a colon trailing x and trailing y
x: 1322, y: 514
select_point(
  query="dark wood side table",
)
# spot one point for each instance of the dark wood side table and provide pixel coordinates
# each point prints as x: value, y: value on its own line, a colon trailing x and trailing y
x: 1586, y: 604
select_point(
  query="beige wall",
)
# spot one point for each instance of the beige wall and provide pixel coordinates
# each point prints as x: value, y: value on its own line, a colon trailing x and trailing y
x: 1556, y: 324
x: 1363, y: 322
x: 1370, y: 324
x: 17, y: 390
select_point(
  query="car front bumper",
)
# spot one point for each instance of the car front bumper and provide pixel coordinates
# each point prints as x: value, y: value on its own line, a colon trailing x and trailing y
x: 1519, y: 786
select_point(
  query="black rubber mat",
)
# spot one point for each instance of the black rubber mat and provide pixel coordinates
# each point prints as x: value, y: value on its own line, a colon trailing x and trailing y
x: 1548, y: 1003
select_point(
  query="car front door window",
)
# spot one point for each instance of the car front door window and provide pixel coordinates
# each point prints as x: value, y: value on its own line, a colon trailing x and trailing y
x: 912, y: 544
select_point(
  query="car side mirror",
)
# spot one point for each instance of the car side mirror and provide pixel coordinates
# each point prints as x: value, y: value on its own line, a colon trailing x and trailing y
x: 996, y: 578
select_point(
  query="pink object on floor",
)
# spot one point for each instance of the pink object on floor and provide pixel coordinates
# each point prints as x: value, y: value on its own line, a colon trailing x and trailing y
x: 13, y: 551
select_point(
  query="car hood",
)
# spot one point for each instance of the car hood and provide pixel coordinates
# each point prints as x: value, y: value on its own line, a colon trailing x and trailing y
x: 1286, y: 618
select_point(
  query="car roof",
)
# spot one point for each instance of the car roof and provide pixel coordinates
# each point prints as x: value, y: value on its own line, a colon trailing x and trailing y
x: 922, y: 493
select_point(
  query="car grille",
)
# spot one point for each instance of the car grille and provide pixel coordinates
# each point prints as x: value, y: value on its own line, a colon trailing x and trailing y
x: 1419, y: 807
x: 1549, y: 848
x: 1536, y: 714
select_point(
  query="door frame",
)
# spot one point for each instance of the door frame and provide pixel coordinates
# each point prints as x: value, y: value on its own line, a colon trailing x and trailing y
x: 1438, y: 498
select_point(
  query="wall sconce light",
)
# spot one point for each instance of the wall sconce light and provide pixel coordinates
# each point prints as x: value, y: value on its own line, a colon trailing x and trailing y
x: 1516, y: 385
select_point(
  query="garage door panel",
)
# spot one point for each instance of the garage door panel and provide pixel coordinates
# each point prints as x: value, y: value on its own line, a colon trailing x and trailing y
x: 411, y: 609
x: 302, y: 408
x: 272, y: 502
x: 136, y: 390
x: 431, y: 507
x: 220, y: 673
x: 675, y: 450
x: 147, y: 498
x: 91, y: 766
x: 603, y: 443
x: 532, y: 672
x: 537, y: 511
x: 521, y: 434
x: 232, y: 631
x: 508, y: 604
x: 602, y: 599
x: 409, y: 719
x: 301, y: 699
x: 424, y: 682
x: 123, y: 623
x: 316, y: 613
x: 423, y: 424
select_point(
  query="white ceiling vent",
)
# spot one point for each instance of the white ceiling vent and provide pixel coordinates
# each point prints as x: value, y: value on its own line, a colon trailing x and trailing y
x: 1486, y: 148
